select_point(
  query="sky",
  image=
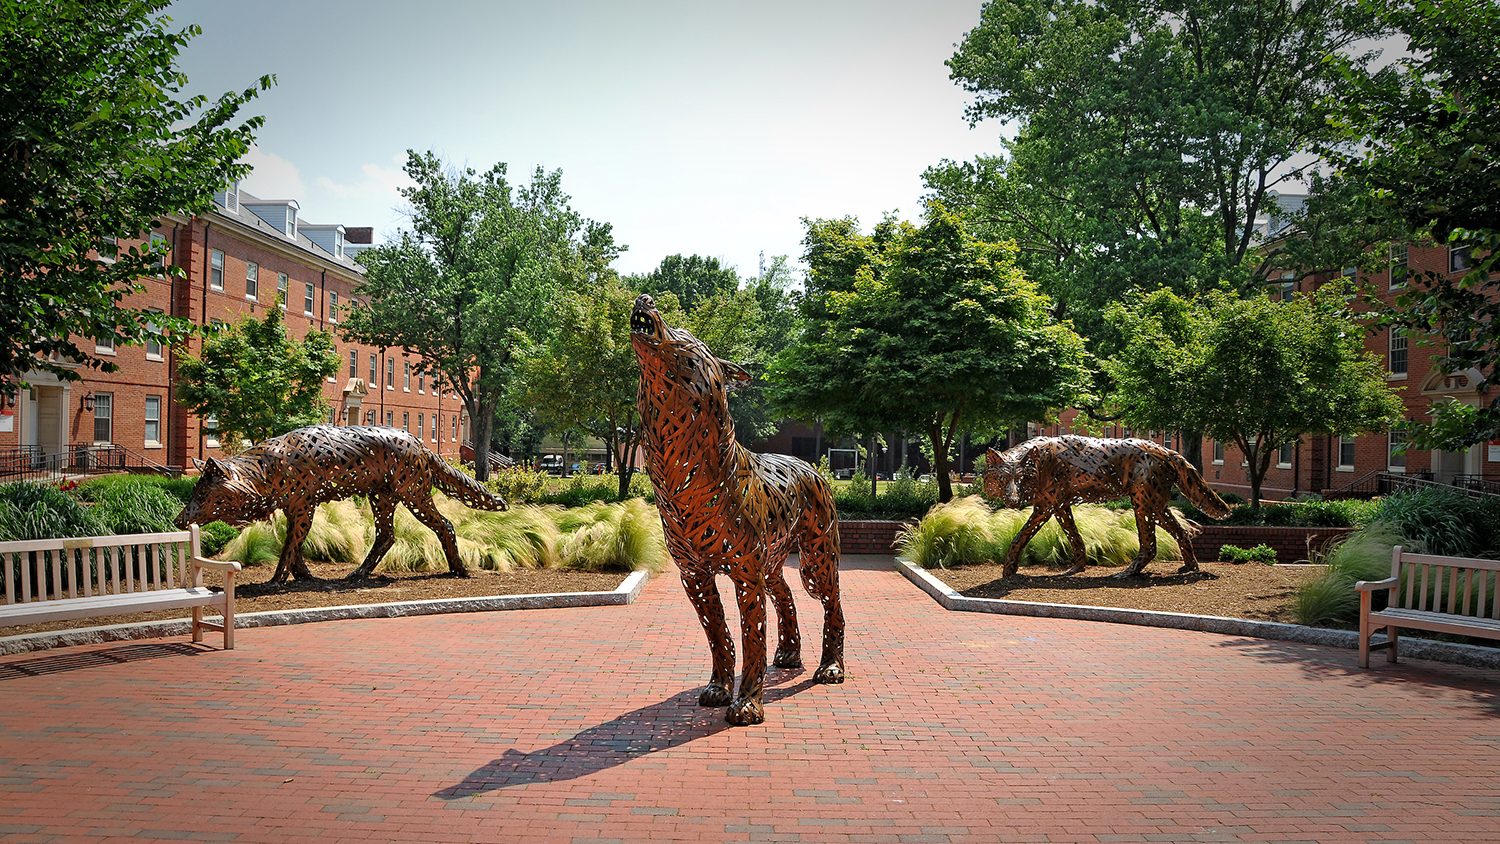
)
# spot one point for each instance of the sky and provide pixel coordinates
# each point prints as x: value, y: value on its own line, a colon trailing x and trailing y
x: 693, y: 127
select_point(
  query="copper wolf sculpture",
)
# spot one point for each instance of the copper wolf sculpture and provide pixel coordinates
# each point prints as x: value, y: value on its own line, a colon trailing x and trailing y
x: 296, y: 472
x: 1054, y: 473
x: 725, y: 509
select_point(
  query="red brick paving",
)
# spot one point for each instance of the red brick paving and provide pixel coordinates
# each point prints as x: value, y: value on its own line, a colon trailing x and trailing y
x: 580, y: 725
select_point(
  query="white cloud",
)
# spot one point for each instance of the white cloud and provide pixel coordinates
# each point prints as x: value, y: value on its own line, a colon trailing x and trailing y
x: 273, y: 177
x: 375, y: 183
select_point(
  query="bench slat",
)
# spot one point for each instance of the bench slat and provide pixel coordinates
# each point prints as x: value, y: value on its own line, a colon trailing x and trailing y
x: 10, y: 561
x: 95, y: 541
x: 165, y: 599
x: 1462, y: 562
x: 1439, y: 622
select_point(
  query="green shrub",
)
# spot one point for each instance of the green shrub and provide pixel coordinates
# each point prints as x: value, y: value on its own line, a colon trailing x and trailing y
x: 1364, y: 555
x: 519, y: 484
x: 901, y: 499
x: 1444, y: 521
x: 136, y: 508
x: 613, y: 537
x: 96, y: 490
x: 1259, y: 554
x: 966, y: 531
x: 42, y: 511
x: 215, y: 535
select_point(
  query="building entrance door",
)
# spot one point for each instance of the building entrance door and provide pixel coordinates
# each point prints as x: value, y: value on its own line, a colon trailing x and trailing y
x: 47, y: 418
x: 1447, y: 465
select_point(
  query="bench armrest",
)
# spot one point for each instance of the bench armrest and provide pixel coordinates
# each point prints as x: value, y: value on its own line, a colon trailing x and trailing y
x: 1372, y: 585
x: 216, y: 565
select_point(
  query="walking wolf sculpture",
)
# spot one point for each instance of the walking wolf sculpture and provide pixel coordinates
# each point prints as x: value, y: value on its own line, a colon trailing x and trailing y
x: 1054, y: 473
x: 725, y: 509
x: 296, y: 472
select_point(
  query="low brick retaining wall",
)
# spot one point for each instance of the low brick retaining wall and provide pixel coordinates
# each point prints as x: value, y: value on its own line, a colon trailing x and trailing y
x: 868, y: 537
x: 1291, y: 543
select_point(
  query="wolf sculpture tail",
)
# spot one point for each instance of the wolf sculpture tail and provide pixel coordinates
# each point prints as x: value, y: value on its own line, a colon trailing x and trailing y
x: 1196, y: 490
x: 464, y: 488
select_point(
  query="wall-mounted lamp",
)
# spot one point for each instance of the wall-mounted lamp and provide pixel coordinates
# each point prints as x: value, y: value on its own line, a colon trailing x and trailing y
x: 88, y: 401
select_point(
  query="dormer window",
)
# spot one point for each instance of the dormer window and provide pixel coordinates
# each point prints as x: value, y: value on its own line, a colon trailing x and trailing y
x: 291, y: 221
x: 229, y: 197
x: 338, y: 244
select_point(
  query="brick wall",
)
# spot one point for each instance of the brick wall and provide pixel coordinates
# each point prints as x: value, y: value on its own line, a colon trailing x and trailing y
x: 868, y: 537
x: 1291, y: 543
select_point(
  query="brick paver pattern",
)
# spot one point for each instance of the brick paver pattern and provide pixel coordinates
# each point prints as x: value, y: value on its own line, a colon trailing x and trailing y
x: 581, y: 725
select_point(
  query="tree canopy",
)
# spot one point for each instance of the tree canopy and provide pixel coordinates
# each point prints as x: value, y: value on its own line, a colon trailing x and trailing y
x: 97, y: 143
x: 256, y: 381
x: 472, y: 285
x: 691, y: 278
x: 1253, y: 372
x: 924, y: 329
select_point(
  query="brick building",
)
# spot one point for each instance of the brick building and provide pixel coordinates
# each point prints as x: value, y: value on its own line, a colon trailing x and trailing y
x: 237, y: 260
x: 1319, y: 464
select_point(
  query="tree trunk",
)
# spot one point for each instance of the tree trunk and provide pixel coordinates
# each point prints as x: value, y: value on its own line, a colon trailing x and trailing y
x: 481, y: 428
x: 870, y: 463
x: 1192, y: 448
x: 940, y: 464
x: 622, y: 465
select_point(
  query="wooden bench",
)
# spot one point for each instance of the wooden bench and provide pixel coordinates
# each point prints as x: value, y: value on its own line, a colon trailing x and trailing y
x: 1457, y: 595
x: 62, y: 579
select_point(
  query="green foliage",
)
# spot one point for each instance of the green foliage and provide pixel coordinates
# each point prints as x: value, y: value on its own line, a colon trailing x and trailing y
x: 1289, y: 514
x: 1249, y: 371
x: 1419, y: 137
x: 42, y: 511
x: 1443, y: 521
x: 691, y: 279
x: 213, y: 536
x: 97, y: 489
x: 519, y: 484
x: 476, y: 280
x: 1258, y: 554
x: 924, y: 329
x: 1330, y: 599
x: 257, y: 380
x: 903, y: 498
x: 613, y: 537
x: 139, y: 508
x: 966, y: 531
x: 99, y: 143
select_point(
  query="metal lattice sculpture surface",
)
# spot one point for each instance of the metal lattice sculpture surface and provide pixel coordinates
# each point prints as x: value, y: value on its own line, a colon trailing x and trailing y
x: 726, y: 509
x: 296, y: 472
x: 1053, y: 473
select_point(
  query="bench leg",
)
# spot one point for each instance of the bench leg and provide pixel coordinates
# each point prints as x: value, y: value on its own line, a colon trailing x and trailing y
x: 1390, y: 650
x: 197, y: 624
x: 1364, y: 630
x: 229, y: 611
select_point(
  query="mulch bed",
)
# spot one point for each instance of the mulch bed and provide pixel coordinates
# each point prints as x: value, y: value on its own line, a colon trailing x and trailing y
x: 253, y: 594
x: 1250, y: 590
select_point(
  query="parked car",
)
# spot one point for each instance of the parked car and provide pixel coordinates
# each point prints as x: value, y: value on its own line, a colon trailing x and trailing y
x: 843, y: 474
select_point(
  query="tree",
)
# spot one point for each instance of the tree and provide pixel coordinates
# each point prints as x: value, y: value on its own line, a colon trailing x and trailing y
x: 691, y: 278
x: 936, y: 333
x: 1250, y: 371
x: 471, y: 286
x: 1421, y: 137
x: 258, y: 382
x: 584, y: 377
x: 96, y: 145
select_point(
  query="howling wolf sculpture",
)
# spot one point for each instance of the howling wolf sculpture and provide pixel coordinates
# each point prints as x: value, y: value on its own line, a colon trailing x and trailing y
x: 1054, y: 473
x: 297, y: 471
x: 725, y: 509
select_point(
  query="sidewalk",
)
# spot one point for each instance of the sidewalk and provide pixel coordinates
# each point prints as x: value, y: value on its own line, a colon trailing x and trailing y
x: 581, y: 725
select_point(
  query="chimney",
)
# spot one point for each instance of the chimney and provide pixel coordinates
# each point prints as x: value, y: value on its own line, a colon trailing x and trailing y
x: 359, y: 234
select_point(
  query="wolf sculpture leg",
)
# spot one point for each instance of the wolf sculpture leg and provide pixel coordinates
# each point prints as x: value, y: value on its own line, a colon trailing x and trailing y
x: 427, y: 513
x: 1075, y: 542
x: 1189, y: 559
x: 788, y: 638
x: 820, y: 577
x: 298, y: 522
x: 747, y: 707
x: 704, y: 595
x: 1145, y: 530
x: 384, y: 509
x: 1039, y: 517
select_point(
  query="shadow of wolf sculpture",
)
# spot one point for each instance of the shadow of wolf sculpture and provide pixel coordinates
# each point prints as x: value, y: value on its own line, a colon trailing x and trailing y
x: 726, y: 509
x: 1054, y: 473
x: 297, y: 471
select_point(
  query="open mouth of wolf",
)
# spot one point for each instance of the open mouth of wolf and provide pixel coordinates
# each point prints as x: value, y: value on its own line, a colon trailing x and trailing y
x: 645, y: 322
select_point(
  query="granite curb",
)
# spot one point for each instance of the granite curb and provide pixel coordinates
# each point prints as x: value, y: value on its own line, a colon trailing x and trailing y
x: 626, y: 593
x: 1411, y: 646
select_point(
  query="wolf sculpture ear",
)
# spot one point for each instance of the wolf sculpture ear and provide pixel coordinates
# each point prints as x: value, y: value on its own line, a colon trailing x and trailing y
x: 735, y: 376
x: 212, y: 466
x: 197, y: 464
x: 991, y: 457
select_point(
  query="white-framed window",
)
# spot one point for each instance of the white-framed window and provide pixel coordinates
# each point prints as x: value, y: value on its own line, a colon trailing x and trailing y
x: 1346, y: 454
x: 104, y: 417
x: 1284, y: 456
x: 1350, y: 272
x: 434, y: 427
x: 405, y: 421
x: 338, y: 244
x: 390, y: 418
x: 369, y: 417
x: 390, y: 373
x: 421, y: 383
x: 1460, y: 259
x: 291, y: 222
x: 453, y: 432
x: 1398, y: 351
x: 252, y: 281
x: 104, y: 346
x: 109, y: 249
x: 405, y: 377
x: 216, y: 269
x: 152, y: 421
x: 1282, y: 290
x: 153, y: 343
x: 211, y: 431
x: 1166, y: 439
x: 1395, y: 451
x: 1400, y: 255
x: 333, y: 306
x: 374, y: 371
x: 158, y: 241
x: 283, y: 284
x: 333, y: 416
x: 421, y: 424
x: 332, y: 377
x: 1218, y: 453
x: 353, y: 362
x: 308, y: 294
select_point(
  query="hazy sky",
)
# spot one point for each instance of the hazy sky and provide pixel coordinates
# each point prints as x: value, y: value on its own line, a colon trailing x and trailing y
x: 702, y: 127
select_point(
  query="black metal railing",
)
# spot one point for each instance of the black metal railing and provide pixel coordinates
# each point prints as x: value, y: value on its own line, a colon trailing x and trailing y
x: 29, y: 463
x: 1372, y: 484
x: 497, y: 460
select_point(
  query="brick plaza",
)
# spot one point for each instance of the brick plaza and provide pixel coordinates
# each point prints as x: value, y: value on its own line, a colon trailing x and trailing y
x: 581, y: 725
